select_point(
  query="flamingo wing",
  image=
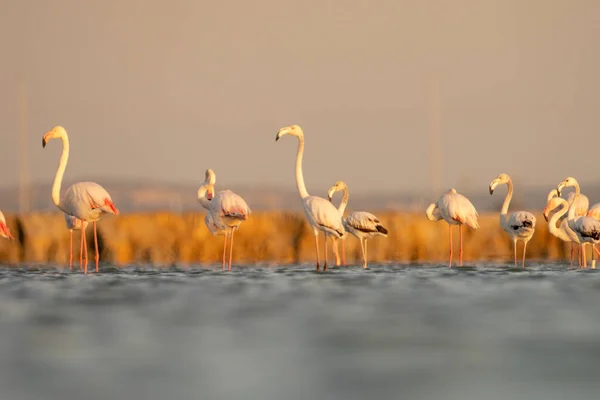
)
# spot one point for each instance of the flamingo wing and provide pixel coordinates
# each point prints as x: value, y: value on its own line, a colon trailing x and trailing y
x: 230, y: 205
x: 365, y: 222
x: 87, y: 201
x: 587, y: 228
x: 215, y: 225
x: 594, y: 211
x: 522, y: 220
x: 323, y: 215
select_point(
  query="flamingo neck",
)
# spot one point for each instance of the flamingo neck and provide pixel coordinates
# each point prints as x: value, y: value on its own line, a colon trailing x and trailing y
x: 571, y: 214
x: 299, y: 175
x: 554, y: 230
x: 344, y: 203
x: 62, y: 165
x: 507, y: 199
x: 204, y: 202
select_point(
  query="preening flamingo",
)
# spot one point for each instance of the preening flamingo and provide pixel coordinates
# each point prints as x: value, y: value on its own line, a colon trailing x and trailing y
x: 554, y: 213
x: 581, y: 208
x: 227, y: 211
x: 4, y: 231
x: 86, y: 201
x: 520, y: 225
x: 320, y: 213
x: 586, y: 228
x: 361, y: 224
x: 74, y: 224
x: 455, y: 209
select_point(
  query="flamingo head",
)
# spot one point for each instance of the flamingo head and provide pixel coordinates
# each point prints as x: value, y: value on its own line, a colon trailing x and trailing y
x: 292, y: 130
x: 4, y: 231
x: 554, y: 205
x: 570, y: 181
x: 337, y: 187
x: 210, y: 177
x: 56, y: 132
x: 501, y: 179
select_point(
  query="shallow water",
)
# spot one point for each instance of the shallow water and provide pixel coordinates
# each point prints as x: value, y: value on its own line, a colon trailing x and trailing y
x: 286, y: 332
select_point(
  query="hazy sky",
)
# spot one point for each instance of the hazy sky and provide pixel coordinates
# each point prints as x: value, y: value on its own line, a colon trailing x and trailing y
x: 165, y: 89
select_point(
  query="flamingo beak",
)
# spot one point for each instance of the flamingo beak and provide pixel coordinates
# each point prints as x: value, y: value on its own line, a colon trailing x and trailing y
x: 560, y: 187
x: 209, y: 195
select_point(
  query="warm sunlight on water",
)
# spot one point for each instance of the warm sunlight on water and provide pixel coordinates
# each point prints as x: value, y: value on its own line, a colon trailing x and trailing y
x: 393, y: 332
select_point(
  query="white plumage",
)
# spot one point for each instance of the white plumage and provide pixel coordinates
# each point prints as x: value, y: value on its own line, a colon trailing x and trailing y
x: 4, y: 231
x: 320, y: 213
x: 586, y: 228
x: 361, y: 224
x: 87, y: 201
x: 520, y: 225
x: 455, y: 209
x: 226, y: 211
x: 594, y: 211
x: 555, y: 212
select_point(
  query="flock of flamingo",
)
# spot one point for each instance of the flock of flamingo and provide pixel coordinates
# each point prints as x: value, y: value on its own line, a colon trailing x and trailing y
x: 86, y: 202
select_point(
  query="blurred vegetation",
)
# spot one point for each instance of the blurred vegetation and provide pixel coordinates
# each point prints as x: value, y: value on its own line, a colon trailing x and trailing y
x: 163, y: 238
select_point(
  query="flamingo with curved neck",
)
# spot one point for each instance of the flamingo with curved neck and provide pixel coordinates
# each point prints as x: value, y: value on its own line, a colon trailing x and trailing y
x: 86, y: 201
x: 320, y: 213
x: 520, y: 225
x: 558, y: 226
x: 361, y: 224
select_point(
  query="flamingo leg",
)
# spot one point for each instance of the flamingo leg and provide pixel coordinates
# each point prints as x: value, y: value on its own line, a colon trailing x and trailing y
x: 450, y: 234
x: 317, y: 245
x: 325, y: 263
x: 524, y: 252
x: 343, y: 252
x: 81, y: 249
x: 96, y: 246
x: 572, y: 252
x: 85, y: 250
x: 515, y: 247
x: 231, y: 248
x: 579, y: 256
x: 71, y: 250
x: 460, y: 254
x: 583, y: 255
x: 224, y: 252
x: 362, y: 248
x: 336, y: 250
x: 365, y: 255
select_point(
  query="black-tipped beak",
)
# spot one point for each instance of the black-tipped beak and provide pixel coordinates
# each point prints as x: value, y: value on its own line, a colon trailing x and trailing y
x: 491, y: 190
x: 546, y: 217
x: 43, y: 142
x: 277, y: 137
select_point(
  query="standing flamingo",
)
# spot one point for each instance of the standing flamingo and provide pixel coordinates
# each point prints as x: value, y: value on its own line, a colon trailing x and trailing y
x: 554, y: 213
x: 320, y: 213
x: 581, y: 208
x: 227, y: 211
x: 361, y: 224
x: 74, y: 224
x: 4, y: 231
x: 520, y: 225
x: 455, y: 209
x: 586, y: 228
x: 86, y: 201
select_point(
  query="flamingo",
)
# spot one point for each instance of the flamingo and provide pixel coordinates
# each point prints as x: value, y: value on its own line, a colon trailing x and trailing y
x: 320, y: 213
x: 227, y: 211
x: 586, y: 228
x: 554, y: 213
x: 4, y: 231
x: 594, y: 211
x: 581, y: 208
x: 74, y: 224
x: 455, y: 209
x: 361, y: 224
x: 520, y: 225
x: 87, y: 201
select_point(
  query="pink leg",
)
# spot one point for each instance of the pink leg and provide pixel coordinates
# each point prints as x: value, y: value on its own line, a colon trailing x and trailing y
x: 343, y: 252
x: 317, y: 245
x: 579, y: 256
x: 583, y: 256
x: 224, y: 252
x: 515, y: 246
x: 524, y: 252
x: 85, y: 255
x: 96, y: 245
x: 71, y: 249
x: 231, y: 249
x: 461, y: 245
x: 325, y: 264
x: 450, y: 233
x: 596, y: 250
x: 572, y: 251
x: 336, y: 250
x: 81, y: 249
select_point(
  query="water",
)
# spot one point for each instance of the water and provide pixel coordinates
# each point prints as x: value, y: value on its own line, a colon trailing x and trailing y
x: 391, y: 332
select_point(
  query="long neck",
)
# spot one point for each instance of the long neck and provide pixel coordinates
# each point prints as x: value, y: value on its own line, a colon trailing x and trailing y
x: 554, y: 230
x: 299, y: 176
x: 202, y: 197
x: 62, y: 165
x: 344, y: 203
x: 507, y: 199
x: 571, y: 214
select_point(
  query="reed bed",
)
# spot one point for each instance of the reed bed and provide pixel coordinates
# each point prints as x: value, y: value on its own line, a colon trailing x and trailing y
x: 164, y: 238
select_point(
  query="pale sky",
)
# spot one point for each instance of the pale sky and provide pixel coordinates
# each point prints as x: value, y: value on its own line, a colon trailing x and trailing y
x: 165, y: 89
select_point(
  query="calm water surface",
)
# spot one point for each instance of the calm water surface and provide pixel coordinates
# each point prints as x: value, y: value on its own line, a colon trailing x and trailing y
x: 285, y: 332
